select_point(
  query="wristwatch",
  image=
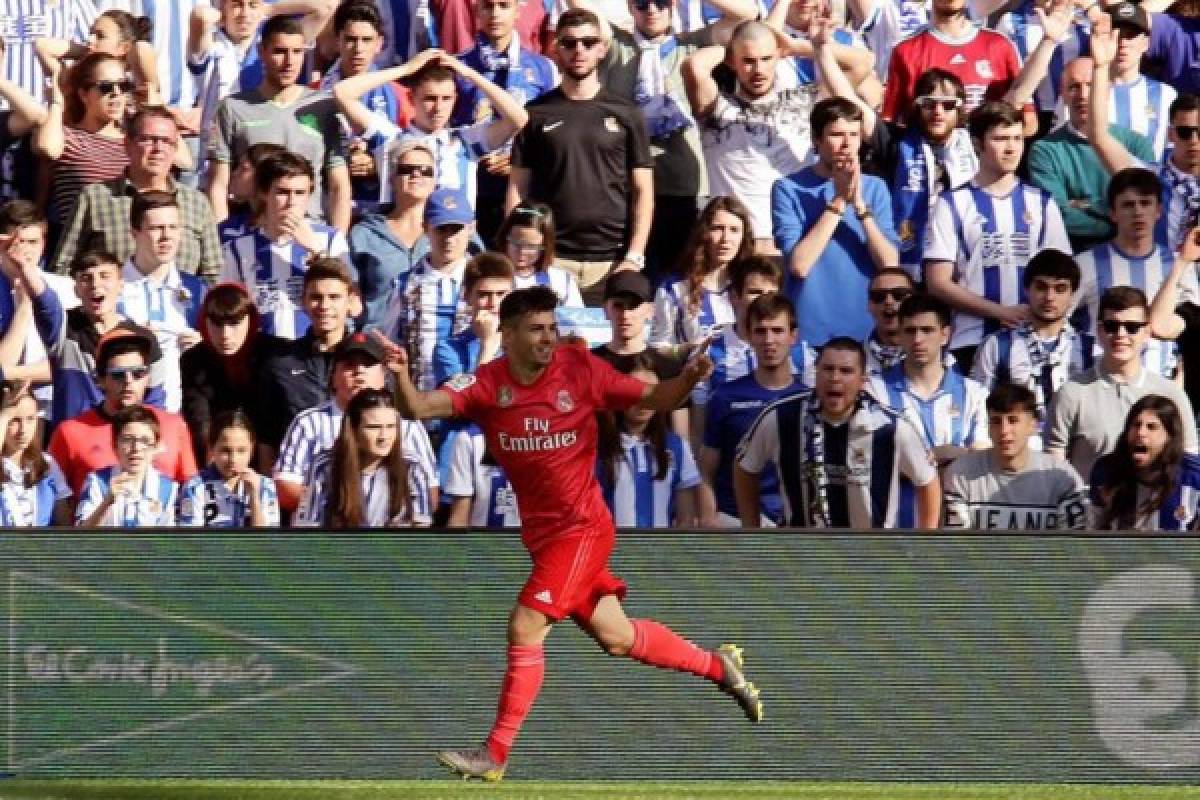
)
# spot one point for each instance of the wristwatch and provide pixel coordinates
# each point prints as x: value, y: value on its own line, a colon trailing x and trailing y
x: 635, y: 258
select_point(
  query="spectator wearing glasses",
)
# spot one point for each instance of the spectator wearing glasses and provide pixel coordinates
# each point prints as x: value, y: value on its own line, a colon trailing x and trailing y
x: 502, y: 56
x: 130, y: 493
x: 83, y: 133
x: 889, y: 288
x: 1180, y: 173
x: 1087, y: 414
x: 932, y: 153
x: 386, y: 244
x: 527, y: 238
x: 983, y: 234
x: 84, y: 444
x: 585, y: 153
x: 100, y: 217
x: 1135, y: 257
x: 1044, y: 352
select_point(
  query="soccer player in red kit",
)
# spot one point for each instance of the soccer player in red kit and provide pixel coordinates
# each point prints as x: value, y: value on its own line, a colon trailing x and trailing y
x: 537, y: 407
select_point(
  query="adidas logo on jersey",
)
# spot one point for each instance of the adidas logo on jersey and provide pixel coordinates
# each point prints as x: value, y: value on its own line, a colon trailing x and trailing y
x: 543, y: 596
x: 958, y: 59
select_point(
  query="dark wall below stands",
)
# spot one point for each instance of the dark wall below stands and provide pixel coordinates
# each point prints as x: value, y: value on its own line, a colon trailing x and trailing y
x: 358, y: 655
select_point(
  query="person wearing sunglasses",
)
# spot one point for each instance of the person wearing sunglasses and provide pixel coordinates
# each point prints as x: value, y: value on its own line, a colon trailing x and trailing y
x: 983, y: 234
x: 433, y: 76
x: 1045, y: 352
x: 889, y: 288
x: 85, y: 443
x: 1135, y: 257
x: 84, y: 133
x: 585, y: 153
x: 501, y: 55
x: 1087, y: 413
x: 1179, y: 173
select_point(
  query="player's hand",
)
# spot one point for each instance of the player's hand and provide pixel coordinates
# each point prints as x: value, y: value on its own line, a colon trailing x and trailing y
x: 1104, y: 39
x: 485, y: 325
x: 248, y: 478
x: 820, y: 31
x: 123, y: 484
x: 698, y: 368
x: 1013, y: 316
x: 1189, y: 248
x: 499, y: 164
x: 845, y: 179
x: 1056, y: 19
x: 395, y: 356
x: 297, y: 226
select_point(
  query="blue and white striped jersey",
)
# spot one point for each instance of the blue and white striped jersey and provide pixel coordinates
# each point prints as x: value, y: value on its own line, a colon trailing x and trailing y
x: 493, y: 502
x: 456, y: 153
x: 222, y: 71
x: 376, y: 498
x: 153, y: 506
x: 733, y: 358
x: 889, y: 21
x: 410, y: 28
x: 1179, y: 512
x: 207, y: 502
x: 1181, y: 204
x: 24, y: 506
x: 169, y: 308
x: 1105, y: 266
x: 871, y: 463
x: 562, y: 282
x: 23, y: 22
x: 1143, y: 106
x: 989, y: 240
x: 674, y: 321
x: 1022, y: 28
x: 274, y: 273
x: 955, y: 415
x: 172, y: 20
x: 635, y: 498
x: 314, y: 431
x: 425, y: 306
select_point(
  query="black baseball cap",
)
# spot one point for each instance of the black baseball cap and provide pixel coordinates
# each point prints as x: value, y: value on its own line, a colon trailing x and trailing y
x: 357, y: 343
x: 1130, y: 15
x: 628, y: 282
x: 127, y: 332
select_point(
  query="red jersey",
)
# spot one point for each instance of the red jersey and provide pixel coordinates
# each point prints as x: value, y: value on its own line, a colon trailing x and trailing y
x: 544, y: 435
x: 986, y: 62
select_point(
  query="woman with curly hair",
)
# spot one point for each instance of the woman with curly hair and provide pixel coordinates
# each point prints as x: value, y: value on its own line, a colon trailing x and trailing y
x: 1148, y: 483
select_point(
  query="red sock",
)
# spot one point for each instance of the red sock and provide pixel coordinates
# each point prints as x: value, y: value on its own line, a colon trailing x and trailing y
x: 659, y: 646
x: 522, y: 681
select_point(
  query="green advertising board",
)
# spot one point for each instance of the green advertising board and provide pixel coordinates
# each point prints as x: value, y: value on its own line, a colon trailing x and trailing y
x: 986, y: 658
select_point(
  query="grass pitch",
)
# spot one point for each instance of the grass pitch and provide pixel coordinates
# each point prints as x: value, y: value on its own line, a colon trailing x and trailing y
x: 539, y: 790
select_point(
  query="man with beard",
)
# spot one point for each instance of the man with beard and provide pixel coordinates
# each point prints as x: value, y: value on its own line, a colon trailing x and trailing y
x: 586, y: 154
x: 1045, y: 352
x: 1011, y: 486
x: 887, y: 290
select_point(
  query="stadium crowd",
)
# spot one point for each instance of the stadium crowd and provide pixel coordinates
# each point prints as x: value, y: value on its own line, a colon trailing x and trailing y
x: 942, y: 254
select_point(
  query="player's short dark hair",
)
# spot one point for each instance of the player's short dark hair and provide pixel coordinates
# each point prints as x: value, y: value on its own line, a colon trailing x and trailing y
x: 831, y: 110
x: 1182, y: 104
x: 145, y: 202
x: 231, y: 419
x: 844, y: 344
x: 929, y: 82
x: 229, y: 302
x: 431, y: 73
x: 260, y: 151
x: 486, y: 265
x: 1137, y: 179
x: 768, y: 306
x: 1010, y: 397
x: 327, y: 268
x: 146, y: 113
x: 1122, y: 298
x: 577, y: 18
x: 90, y: 259
x: 923, y: 303
x: 358, y: 11
x: 19, y: 213
x: 896, y: 272
x: 743, y: 268
x: 284, y: 164
x: 281, y: 25
x: 128, y: 416
x: 1054, y: 265
x: 531, y: 300
x: 991, y: 115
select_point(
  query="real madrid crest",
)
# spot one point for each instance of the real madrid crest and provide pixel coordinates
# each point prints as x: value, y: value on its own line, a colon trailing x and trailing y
x: 564, y: 401
x: 612, y: 124
x: 504, y: 396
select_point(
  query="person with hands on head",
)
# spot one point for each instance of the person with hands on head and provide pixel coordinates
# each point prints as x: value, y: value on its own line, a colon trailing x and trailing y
x: 1179, y: 173
x: 33, y: 491
x: 116, y: 33
x: 23, y: 113
x: 229, y: 493
x: 982, y: 235
x: 537, y: 407
x: 432, y: 75
x: 22, y: 352
x: 833, y: 225
x: 130, y: 493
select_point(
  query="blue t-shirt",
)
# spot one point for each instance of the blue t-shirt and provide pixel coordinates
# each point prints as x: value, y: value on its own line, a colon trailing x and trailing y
x: 732, y: 409
x: 844, y: 268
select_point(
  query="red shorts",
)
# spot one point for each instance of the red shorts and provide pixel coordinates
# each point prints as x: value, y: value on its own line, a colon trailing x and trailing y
x: 570, y: 575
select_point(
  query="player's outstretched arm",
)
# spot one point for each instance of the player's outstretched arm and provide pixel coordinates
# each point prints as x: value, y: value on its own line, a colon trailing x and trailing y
x: 669, y: 395
x: 413, y: 403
